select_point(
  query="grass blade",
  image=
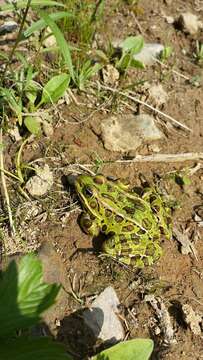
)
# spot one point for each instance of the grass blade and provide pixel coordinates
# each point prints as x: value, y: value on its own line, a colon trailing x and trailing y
x: 61, y: 41
x: 40, y: 24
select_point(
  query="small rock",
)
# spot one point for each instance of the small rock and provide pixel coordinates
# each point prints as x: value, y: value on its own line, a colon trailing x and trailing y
x: 8, y: 27
x: 110, y: 75
x: 149, y: 53
x: 189, y: 23
x: 39, y: 184
x: 101, y: 317
x: 170, y: 19
x: 128, y: 132
x: 47, y: 128
x: 158, y: 95
x: 192, y: 319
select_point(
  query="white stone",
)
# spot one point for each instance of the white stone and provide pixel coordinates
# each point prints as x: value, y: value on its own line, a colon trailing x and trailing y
x: 189, y: 23
x: 101, y: 318
x: 128, y: 132
x: 149, y: 53
x: 39, y: 184
x: 158, y: 94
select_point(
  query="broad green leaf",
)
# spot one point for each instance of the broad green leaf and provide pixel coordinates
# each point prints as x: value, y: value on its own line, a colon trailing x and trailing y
x: 14, y: 103
x: 40, y: 24
x: 32, y: 349
x: 133, y: 43
x: 55, y: 88
x: 137, y: 64
x: 35, y: 3
x: 137, y: 349
x: 24, y: 295
x: 61, y: 41
x: 33, y: 125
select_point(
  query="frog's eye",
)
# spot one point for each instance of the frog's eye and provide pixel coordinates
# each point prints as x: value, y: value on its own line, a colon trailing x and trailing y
x: 88, y: 191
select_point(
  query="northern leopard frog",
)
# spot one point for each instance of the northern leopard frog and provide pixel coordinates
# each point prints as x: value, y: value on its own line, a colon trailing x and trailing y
x: 132, y: 224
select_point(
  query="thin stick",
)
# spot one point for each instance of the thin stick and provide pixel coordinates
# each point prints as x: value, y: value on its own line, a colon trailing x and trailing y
x: 3, y: 179
x: 149, y: 158
x: 133, y: 98
x: 164, y: 158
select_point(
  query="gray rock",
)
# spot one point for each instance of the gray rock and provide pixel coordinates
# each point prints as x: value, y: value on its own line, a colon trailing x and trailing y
x: 128, y: 132
x: 189, y: 23
x: 101, y: 317
x: 158, y: 94
x: 149, y: 53
x: 41, y: 183
x: 8, y: 27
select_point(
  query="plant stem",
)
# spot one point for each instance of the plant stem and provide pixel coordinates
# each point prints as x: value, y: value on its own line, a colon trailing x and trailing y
x: 17, y: 41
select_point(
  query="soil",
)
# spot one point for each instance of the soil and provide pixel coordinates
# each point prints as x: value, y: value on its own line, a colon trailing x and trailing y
x: 67, y: 252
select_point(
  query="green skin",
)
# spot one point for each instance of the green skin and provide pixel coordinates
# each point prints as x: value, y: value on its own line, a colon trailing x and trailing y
x: 132, y: 224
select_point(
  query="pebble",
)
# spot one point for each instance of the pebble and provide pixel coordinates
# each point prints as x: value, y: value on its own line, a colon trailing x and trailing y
x: 189, y: 23
x: 41, y: 183
x: 8, y: 27
x: 149, y: 53
x: 128, y: 132
x: 101, y: 317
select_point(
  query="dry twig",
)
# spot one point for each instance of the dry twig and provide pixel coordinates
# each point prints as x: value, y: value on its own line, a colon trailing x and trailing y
x: 5, y: 191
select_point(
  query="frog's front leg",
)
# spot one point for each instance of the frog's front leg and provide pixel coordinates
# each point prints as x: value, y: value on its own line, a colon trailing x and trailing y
x: 89, y: 226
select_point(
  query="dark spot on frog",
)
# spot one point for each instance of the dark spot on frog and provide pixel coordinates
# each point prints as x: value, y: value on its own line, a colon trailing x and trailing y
x: 118, y: 218
x: 141, y: 231
x: 128, y: 228
x: 108, y: 212
x: 107, y: 196
x: 129, y: 210
x: 104, y: 228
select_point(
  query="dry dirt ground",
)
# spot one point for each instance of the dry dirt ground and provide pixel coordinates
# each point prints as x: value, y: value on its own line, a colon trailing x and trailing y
x: 177, y: 278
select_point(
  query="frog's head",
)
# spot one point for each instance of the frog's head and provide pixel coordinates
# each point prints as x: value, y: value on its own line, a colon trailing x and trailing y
x: 89, y: 189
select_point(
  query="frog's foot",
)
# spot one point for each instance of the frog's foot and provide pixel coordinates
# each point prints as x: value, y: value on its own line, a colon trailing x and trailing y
x: 89, y: 225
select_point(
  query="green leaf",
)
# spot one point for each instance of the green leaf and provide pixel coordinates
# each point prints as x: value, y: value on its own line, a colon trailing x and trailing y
x: 24, y: 295
x: 14, y: 103
x: 32, y: 349
x: 137, y: 349
x: 137, y: 64
x: 55, y: 88
x: 35, y: 3
x: 61, y: 41
x: 33, y: 125
x: 41, y: 24
x: 133, y: 44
